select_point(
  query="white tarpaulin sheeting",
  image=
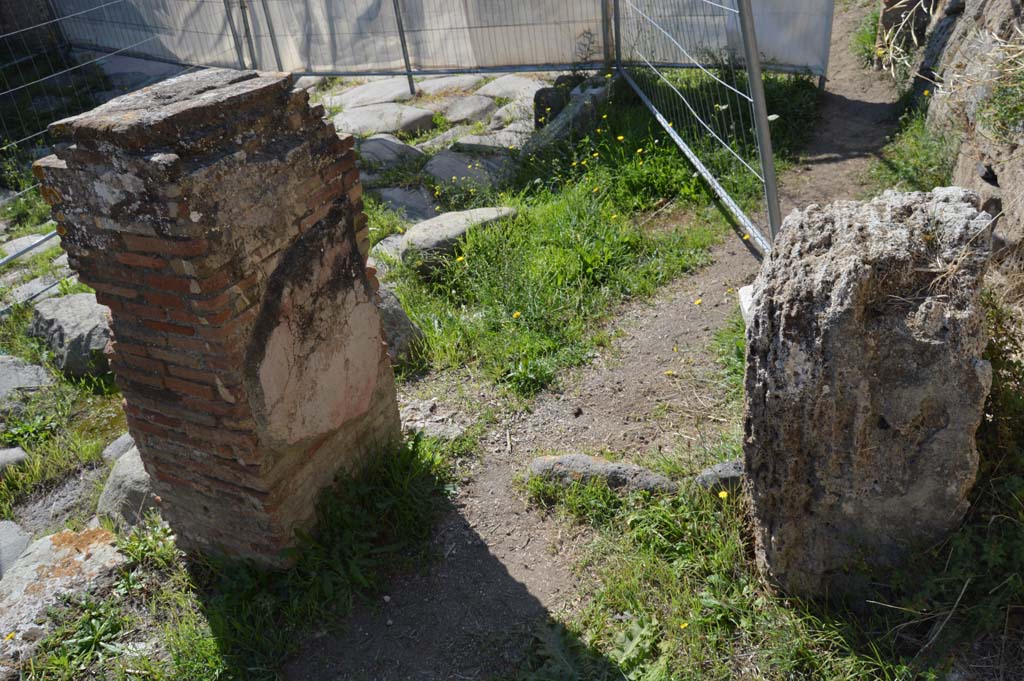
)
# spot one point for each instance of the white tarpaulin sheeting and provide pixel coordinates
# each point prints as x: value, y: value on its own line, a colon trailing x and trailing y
x: 356, y: 36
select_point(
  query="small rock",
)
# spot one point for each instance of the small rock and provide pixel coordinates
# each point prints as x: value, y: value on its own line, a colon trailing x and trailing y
x: 13, y: 541
x: 400, y: 333
x: 415, y: 204
x: 60, y: 564
x: 426, y: 418
x: 119, y: 447
x: 510, y: 113
x: 128, y: 493
x: 442, y: 84
x: 387, y: 151
x: 580, y: 468
x: 433, y: 239
x: 470, y: 109
x: 12, y: 456
x: 17, y: 378
x: 375, y: 92
x: 727, y: 476
x: 77, y: 329
x: 512, y: 87
x: 14, y: 245
x: 367, y: 120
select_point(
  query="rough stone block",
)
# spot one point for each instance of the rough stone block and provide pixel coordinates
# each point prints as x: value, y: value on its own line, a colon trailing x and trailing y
x: 858, y: 453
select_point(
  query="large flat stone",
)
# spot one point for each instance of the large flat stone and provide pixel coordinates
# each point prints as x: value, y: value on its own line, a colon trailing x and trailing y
x: 511, y: 113
x: 414, y: 204
x: 387, y: 151
x: 63, y: 563
x: 39, y: 288
x: 451, y: 166
x: 571, y: 469
x: 367, y: 120
x: 512, y: 87
x: 446, y: 138
x: 470, y: 109
x: 375, y: 92
x: 14, y: 245
x: 13, y: 542
x: 502, y: 141
x: 441, y: 84
x: 77, y: 329
x: 427, y: 242
x: 18, y: 378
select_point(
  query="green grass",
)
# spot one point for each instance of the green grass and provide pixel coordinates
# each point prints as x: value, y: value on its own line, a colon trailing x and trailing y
x: 62, y: 427
x: 230, y: 620
x: 729, y: 346
x: 522, y: 298
x: 677, y: 595
x: 1002, y: 112
x: 28, y: 212
x: 864, y: 42
x: 917, y: 158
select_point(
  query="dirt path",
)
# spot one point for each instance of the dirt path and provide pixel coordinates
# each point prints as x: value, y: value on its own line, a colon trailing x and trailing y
x: 506, y: 569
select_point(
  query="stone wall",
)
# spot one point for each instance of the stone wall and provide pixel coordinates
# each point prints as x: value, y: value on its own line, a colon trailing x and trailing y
x: 220, y: 219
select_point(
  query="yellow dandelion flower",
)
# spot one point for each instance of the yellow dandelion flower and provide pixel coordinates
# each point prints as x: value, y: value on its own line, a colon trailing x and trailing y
x: 683, y: 625
x: 460, y: 258
x: 599, y: 131
x: 9, y: 636
x: 574, y: 164
x: 670, y: 373
x: 723, y: 495
x: 596, y: 189
x: 595, y: 154
x: 517, y: 314
x: 607, y: 75
x: 640, y: 163
x: 746, y: 237
x: 640, y: 150
x: 698, y: 301
x: 620, y: 138
x: 927, y: 93
x: 615, y: 216
x: 675, y: 348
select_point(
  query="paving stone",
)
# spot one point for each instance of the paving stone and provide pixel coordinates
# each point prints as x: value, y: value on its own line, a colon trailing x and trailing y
x: 512, y: 87
x: 452, y: 166
x: 435, y: 86
x: 18, y: 378
x: 77, y: 329
x: 427, y: 242
x: 501, y: 141
x: 366, y: 120
x: 37, y: 289
x: 65, y: 563
x: 375, y: 92
x: 446, y: 138
x: 12, y: 456
x: 415, y: 204
x: 13, y: 542
x: 387, y: 151
x: 14, y: 245
x: 470, y: 109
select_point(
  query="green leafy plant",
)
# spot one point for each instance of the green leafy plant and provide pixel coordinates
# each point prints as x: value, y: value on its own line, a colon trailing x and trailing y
x: 865, y: 39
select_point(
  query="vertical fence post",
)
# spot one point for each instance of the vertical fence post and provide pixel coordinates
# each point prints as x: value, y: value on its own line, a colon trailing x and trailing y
x: 764, y: 137
x: 230, y: 16
x: 248, y: 33
x: 405, y: 47
x: 607, y: 33
x: 618, y: 34
x: 273, y: 37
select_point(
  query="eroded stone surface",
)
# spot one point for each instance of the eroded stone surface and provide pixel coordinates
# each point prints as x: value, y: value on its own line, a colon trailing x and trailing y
x: 127, y: 494
x: 426, y: 242
x: 499, y: 142
x: 77, y: 330
x: 581, y: 469
x: 454, y: 167
x: 387, y: 151
x: 857, y: 451
x: 400, y: 332
x: 378, y: 118
x: 11, y: 456
x: 63, y: 563
x: 442, y: 84
x: 18, y: 378
x: 415, y: 204
x: 13, y: 542
x: 470, y: 109
x: 118, y: 448
x: 374, y: 92
x: 512, y: 87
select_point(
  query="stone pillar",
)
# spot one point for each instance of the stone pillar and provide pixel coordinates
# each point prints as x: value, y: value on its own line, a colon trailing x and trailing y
x: 220, y: 219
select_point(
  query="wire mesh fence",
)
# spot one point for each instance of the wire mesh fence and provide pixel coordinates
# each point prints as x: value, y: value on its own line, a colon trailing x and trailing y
x: 695, y: 62
x: 682, y: 59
